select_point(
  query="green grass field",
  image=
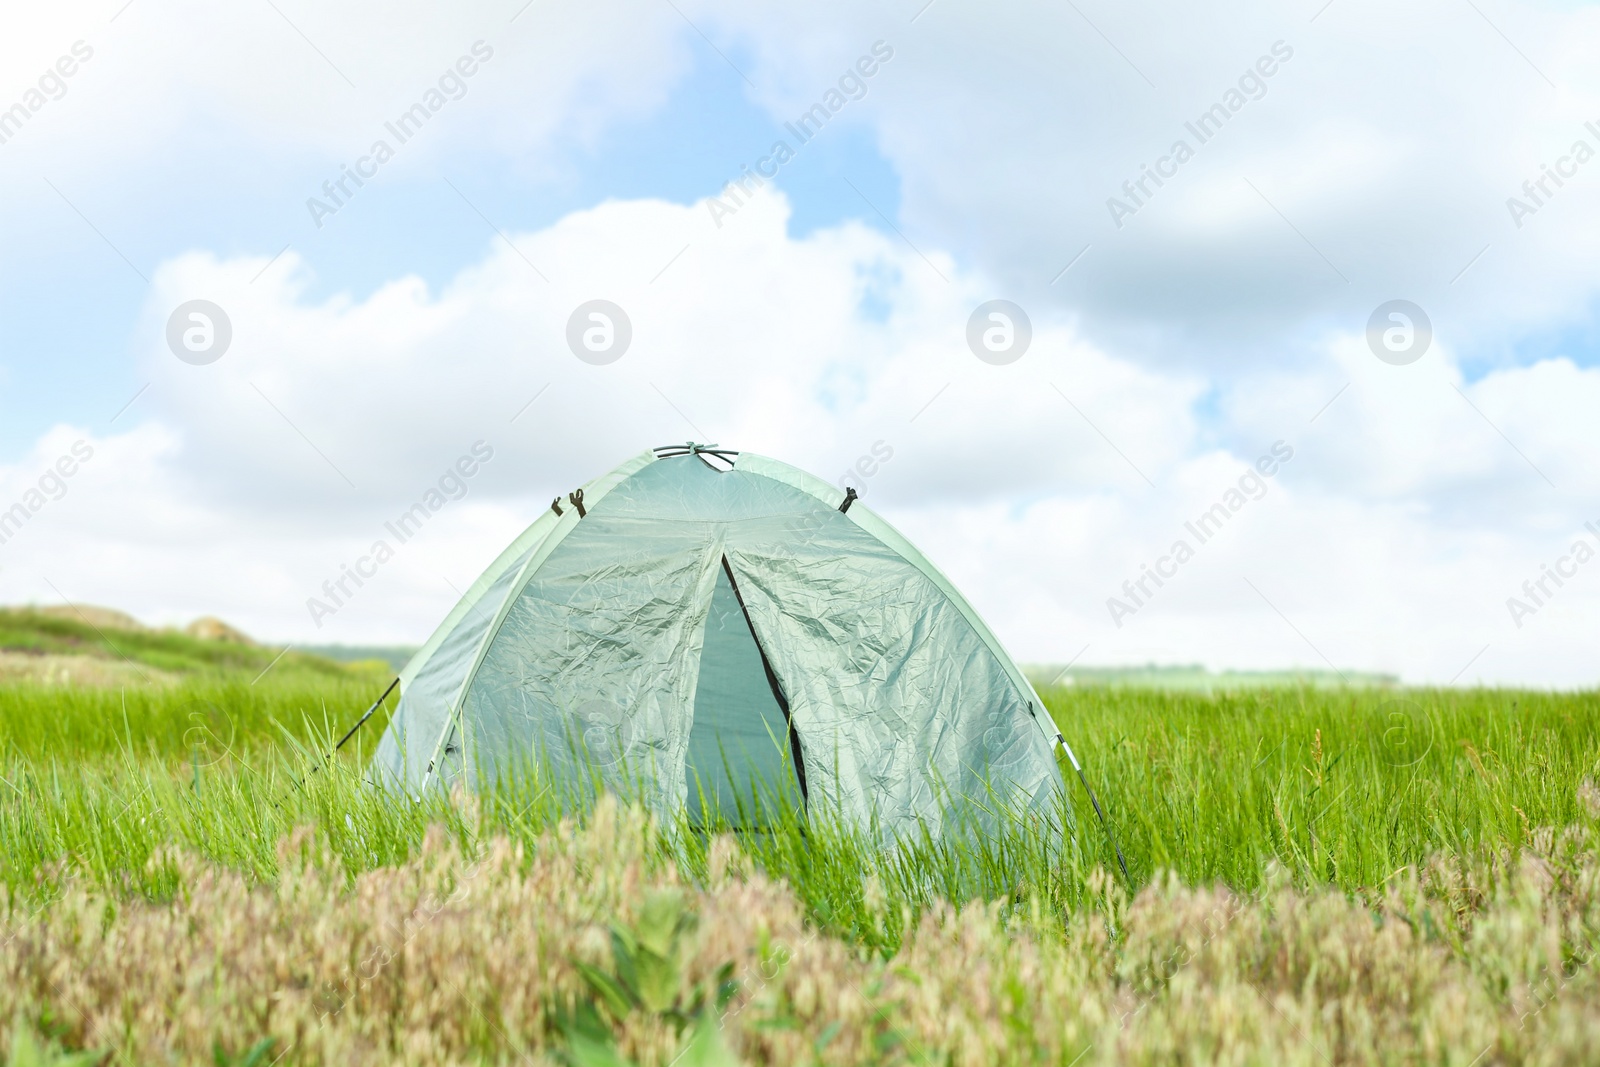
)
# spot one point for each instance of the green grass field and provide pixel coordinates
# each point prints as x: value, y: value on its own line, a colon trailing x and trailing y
x: 1318, y: 875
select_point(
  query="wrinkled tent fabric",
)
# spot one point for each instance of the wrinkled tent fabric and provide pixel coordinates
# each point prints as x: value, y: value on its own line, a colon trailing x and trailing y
x: 708, y: 630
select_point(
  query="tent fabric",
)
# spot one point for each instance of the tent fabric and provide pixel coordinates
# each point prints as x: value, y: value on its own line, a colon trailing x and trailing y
x: 701, y: 630
x: 431, y: 684
x: 441, y: 669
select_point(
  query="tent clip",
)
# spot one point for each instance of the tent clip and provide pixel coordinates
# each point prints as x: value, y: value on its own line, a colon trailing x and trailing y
x: 849, y: 498
x: 555, y: 505
x: 577, y: 502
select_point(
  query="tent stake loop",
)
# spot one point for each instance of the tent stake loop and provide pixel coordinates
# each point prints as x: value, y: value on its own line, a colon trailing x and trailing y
x: 1062, y: 741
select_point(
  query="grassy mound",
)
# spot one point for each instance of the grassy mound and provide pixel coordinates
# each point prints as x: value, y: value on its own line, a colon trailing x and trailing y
x: 137, y: 653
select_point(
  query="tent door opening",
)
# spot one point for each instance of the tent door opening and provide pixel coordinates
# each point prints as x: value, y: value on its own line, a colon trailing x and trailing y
x: 744, y: 764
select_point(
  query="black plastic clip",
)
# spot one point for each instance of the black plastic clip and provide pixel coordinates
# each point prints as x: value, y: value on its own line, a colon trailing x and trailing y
x: 555, y: 505
x: 849, y: 498
x: 577, y: 502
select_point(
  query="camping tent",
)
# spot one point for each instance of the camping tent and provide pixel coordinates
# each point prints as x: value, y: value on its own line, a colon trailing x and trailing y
x: 723, y: 625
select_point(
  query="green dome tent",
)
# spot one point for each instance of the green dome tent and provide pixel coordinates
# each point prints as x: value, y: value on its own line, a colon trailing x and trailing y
x: 721, y: 624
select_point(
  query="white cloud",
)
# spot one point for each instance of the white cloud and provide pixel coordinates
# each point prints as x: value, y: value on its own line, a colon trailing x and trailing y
x: 1389, y: 542
x: 177, y: 85
x: 1390, y: 140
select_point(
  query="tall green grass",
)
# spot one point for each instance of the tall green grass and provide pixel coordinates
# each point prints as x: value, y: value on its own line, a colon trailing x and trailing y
x: 1340, y: 787
x: 1337, y: 788
x: 212, y: 713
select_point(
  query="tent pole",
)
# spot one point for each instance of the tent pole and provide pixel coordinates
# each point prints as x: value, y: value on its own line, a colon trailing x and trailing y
x: 451, y: 721
x: 363, y: 720
x: 348, y: 734
x: 1062, y: 741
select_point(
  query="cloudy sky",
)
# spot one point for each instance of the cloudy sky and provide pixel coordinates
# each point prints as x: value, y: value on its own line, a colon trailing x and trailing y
x: 1202, y: 216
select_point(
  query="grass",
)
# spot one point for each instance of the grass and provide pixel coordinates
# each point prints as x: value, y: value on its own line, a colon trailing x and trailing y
x: 1340, y: 787
x: 1315, y: 822
x: 1336, y: 788
x: 212, y: 715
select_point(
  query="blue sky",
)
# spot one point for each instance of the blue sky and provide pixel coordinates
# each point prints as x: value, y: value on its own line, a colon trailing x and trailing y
x: 72, y: 301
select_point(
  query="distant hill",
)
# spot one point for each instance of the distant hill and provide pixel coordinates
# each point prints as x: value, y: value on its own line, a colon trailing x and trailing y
x: 396, y: 656
x: 210, y: 628
x: 90, y: 615
x: 81, y: 644
x: 1194, y: 676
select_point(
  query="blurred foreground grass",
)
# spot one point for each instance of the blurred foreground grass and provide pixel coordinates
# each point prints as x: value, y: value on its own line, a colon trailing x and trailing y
x: 593, y: 944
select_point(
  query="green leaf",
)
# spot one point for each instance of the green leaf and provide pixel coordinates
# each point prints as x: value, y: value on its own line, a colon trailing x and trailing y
x: 585, y: 1051
x: 706, y: 1047
x: 660, y: 919
x: 658, y: 979
x: 258, y: 1052
x: 829, y: 1032
x: 26, y: 1052
x: 727, y: 986
x: 618, y: 998
x: 647, y: 956
x: 624, y: 946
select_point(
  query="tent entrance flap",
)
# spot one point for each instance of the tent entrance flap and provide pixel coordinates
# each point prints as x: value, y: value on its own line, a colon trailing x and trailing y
x: 743, y: 761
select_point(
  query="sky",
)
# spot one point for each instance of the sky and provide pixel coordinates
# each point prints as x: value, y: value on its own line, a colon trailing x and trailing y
x: 1256, y: 336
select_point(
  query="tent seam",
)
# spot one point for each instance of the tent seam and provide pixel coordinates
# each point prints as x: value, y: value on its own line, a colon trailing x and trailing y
x: 925, y: 566
x: 529, y: 569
